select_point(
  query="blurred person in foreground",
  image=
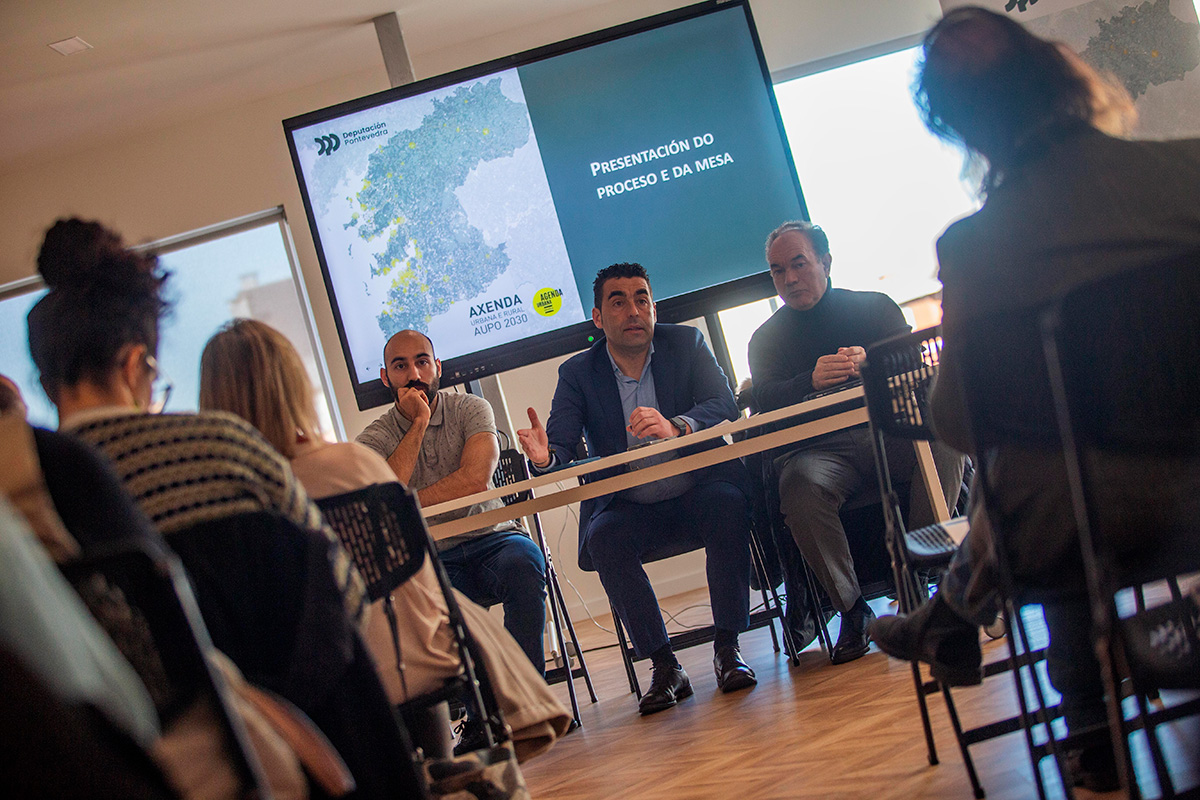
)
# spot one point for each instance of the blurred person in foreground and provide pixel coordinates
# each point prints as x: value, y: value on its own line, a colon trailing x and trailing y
x: 1067, y: 202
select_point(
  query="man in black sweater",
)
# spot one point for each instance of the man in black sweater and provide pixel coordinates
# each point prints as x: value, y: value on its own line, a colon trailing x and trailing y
x: 816, y: 342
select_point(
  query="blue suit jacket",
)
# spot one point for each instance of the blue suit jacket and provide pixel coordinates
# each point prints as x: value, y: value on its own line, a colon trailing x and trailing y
x: 687, y: 381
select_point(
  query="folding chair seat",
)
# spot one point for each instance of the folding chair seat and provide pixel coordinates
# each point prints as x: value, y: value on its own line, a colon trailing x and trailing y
x: 1122, y: 356
x: 513, y: 469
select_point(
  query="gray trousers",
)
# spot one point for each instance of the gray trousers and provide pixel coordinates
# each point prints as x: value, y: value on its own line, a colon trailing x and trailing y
x: 815, y: 481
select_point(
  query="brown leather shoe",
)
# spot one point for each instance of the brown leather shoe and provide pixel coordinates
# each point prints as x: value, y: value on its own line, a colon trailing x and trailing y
x: 732, y: 672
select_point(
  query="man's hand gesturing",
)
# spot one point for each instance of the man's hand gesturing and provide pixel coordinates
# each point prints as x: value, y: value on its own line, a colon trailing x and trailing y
x: 534, y: 442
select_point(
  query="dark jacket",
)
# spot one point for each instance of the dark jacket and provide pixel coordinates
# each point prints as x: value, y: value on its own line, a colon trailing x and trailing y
x: 687, y: 381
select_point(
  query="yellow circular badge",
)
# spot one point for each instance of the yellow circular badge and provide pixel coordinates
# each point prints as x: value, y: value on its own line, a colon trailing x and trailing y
x: 547, y: 302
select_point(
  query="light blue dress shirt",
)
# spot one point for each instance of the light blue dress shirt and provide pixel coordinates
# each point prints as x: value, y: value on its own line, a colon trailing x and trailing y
x: 637, y: 393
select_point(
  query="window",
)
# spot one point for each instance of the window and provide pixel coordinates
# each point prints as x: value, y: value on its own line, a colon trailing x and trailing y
x: 244, y: 268
x: 15, y: 301
x: 880, y: 185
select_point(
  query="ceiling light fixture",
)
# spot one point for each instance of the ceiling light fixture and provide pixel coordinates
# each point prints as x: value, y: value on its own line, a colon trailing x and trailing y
x: 69, y: 47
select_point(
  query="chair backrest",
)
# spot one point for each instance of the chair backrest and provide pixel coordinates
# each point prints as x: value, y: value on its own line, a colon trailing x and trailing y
x: 511, y: 469
x: 386, y: 544
x: 1122, y: 356
x: 1126, y: 352
x: 144, y: 602
x: 389, y: 515
x: 897, y: 376
x: 268, y: 594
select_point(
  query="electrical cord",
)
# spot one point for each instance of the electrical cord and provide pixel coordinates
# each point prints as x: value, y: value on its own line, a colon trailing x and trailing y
x: 572, y: 513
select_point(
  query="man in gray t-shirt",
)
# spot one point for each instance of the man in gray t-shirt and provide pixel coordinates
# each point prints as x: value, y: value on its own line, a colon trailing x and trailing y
x: 444, y: 446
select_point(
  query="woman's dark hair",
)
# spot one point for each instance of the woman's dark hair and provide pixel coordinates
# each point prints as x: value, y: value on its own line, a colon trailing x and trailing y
x: 989, y: 85
x: 103, y: 298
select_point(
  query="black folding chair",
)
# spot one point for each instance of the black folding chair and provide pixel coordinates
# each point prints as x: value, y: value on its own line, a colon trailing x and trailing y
x: 513, y: 469
x: 1011, y: 407
x: 267, y: 591
x: 382, y: 529
x: 857, y: 516
x: 144, y: 602
x: 862, y: 520
x: 1122, y: 357
x: 772, y: 610
x: 897, y: 376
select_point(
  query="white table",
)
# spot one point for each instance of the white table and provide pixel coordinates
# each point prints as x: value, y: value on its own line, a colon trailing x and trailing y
x: 812, y: 418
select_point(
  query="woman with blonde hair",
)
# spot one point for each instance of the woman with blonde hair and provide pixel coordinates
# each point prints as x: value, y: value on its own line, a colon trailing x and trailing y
x: 250, y: 369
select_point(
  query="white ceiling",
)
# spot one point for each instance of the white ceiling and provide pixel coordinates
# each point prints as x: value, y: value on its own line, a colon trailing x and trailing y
x: 156, y: 62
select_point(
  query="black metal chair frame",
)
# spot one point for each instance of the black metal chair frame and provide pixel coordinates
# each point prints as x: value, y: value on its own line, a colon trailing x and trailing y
x: 823, y: 610
x: 1034, y: 714
x: 1096, y: 414
x: 382, y: 529
x: 512, y: 469
x: 772, y: 610
x: 172, y: 661
x: 897, y: 377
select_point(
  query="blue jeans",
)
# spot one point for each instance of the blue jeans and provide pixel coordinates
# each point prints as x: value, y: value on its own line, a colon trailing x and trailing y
x: 620, y: 535
x: 505, y: 567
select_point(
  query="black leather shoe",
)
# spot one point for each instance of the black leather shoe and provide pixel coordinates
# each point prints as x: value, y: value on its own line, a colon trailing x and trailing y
x: 732, y: 672
x: 668, y: 686
x: 936, y: 635
x: 854, y: 641
x: 472, y: 737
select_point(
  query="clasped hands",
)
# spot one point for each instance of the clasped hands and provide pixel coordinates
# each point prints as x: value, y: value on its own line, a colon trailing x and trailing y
x: 837, y: 367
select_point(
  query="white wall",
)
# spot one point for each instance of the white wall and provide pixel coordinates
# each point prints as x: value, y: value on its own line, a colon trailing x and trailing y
x: 236, y: 162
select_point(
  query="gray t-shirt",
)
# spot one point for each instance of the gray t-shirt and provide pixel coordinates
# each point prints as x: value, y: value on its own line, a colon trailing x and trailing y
x: 456, y: 419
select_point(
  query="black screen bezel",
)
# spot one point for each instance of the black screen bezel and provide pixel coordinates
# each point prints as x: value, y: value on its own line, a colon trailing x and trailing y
x: 573, y: 338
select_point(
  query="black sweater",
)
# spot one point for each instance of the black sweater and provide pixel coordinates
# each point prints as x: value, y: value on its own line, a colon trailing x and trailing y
x: 785, y: 348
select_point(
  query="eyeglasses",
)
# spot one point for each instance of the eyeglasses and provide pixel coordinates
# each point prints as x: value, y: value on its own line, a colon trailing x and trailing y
x: 160, y: 389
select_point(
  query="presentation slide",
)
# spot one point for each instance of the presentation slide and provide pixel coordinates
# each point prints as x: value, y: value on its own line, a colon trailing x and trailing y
x: 480, y: 212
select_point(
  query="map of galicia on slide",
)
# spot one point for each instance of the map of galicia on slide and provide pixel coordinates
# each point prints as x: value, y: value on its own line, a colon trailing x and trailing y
x: 417, y: 201
x: 434, y: 255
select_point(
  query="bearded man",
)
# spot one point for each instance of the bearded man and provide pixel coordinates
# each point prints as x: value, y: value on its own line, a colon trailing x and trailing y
x: 444, y: 446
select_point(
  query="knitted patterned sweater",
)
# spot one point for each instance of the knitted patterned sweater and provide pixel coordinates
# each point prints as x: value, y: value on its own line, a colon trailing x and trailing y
x: 184, y: 469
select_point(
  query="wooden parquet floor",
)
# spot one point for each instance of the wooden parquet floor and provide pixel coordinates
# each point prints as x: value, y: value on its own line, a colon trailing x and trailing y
x: 811, y: 731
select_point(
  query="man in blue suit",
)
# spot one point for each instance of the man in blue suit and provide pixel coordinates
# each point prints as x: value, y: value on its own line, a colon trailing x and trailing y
x: 644, y: 381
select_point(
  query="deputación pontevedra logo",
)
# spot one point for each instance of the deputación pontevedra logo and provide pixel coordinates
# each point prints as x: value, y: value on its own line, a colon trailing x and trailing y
x: 328, y: 144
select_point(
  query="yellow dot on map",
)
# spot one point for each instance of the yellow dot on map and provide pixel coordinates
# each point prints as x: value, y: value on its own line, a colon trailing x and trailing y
x: 547, y: 301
